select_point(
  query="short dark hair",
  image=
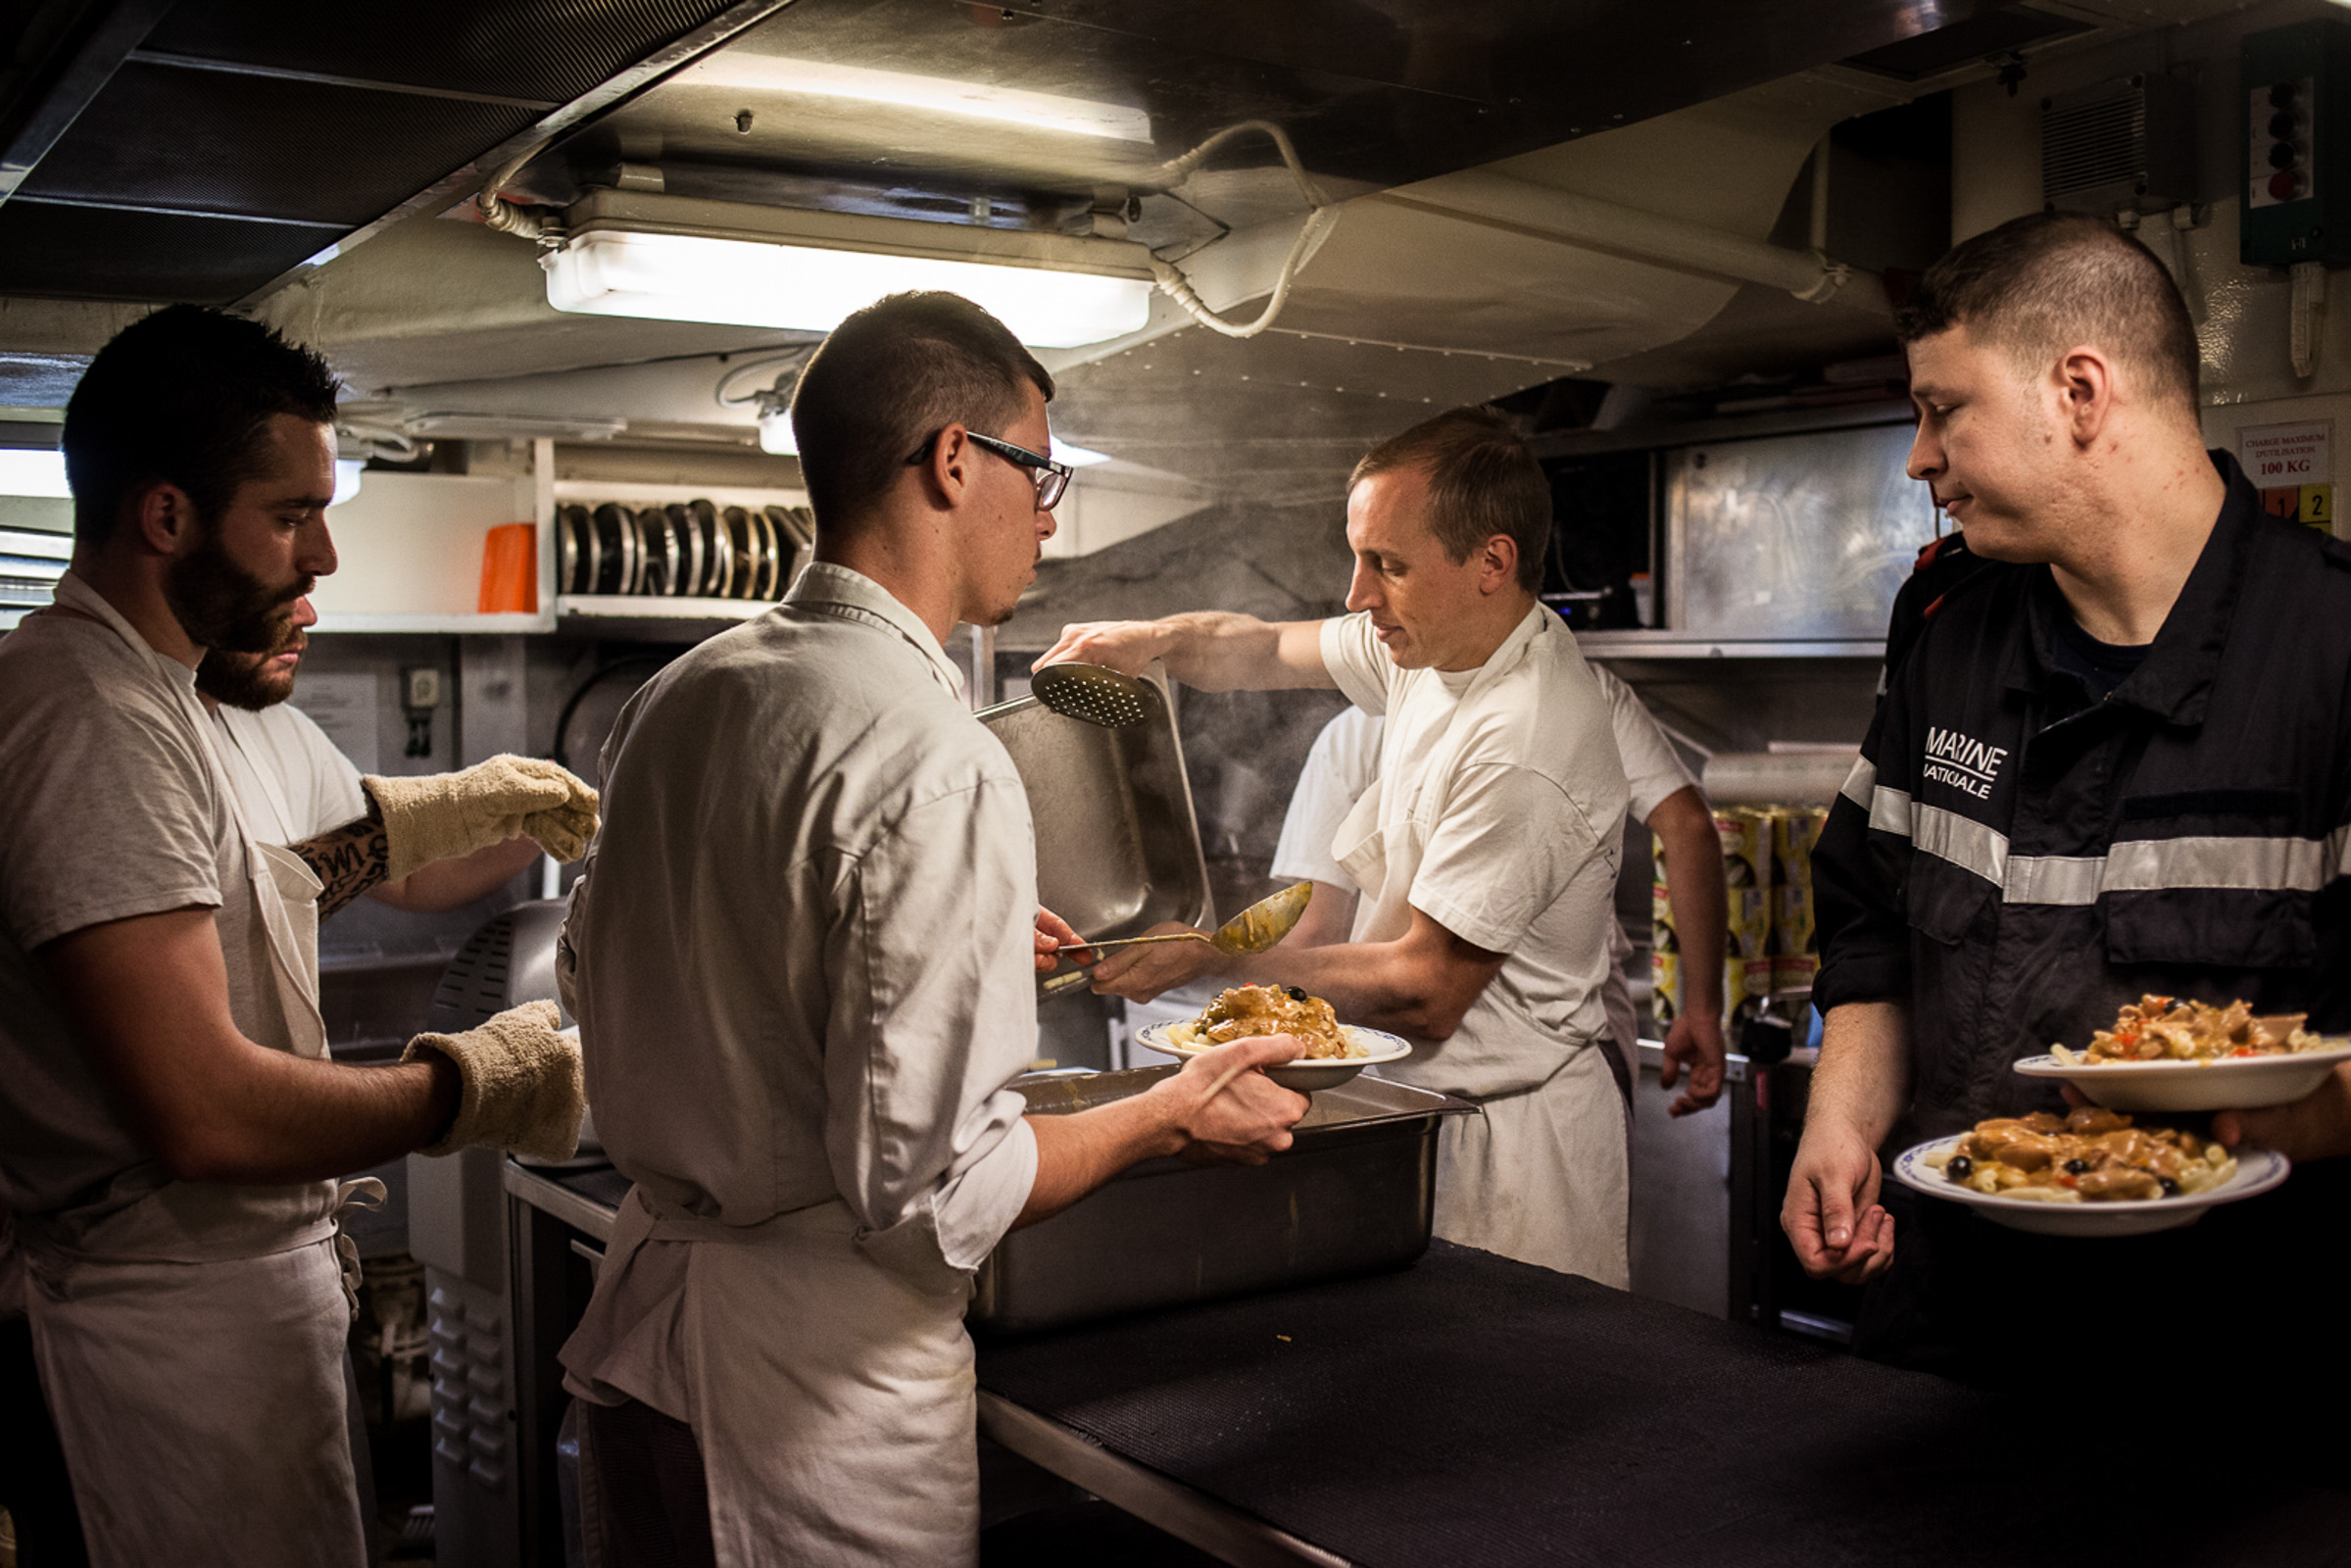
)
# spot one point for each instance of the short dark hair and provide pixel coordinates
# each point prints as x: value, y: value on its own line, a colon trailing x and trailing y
x: 891, y: 376
x: 2042, y: 284
x: 1482, y: 481
x: 184, y: 397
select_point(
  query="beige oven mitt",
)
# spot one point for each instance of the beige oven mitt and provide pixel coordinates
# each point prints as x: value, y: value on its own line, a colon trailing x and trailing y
x: 442, y: 815
x: 524, y: 1089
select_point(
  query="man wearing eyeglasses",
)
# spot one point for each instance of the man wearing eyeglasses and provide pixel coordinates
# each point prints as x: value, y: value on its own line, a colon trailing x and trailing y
x: 1052, y: 477
x: 800, y: 961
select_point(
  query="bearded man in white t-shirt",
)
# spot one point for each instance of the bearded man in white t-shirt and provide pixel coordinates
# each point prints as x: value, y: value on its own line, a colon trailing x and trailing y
x: 1486, y: 848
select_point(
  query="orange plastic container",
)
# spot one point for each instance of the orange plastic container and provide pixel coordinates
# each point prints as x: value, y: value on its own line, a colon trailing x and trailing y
x: 510, y: 568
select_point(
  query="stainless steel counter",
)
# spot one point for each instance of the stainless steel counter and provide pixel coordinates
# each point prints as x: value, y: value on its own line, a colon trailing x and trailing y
x: 1700, y: 1197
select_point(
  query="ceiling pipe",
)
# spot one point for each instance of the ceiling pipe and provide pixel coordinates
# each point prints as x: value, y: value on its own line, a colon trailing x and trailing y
x: 1563, y: 218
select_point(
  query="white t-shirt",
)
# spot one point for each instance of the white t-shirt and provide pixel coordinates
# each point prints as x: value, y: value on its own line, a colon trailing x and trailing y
x: 293, y: 782
x: 117, y: 810
x: 1346, y: 757
x: 1496, y: 811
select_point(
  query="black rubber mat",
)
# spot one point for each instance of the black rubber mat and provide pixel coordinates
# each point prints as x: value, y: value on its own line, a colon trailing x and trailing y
x: 1473, y: 1409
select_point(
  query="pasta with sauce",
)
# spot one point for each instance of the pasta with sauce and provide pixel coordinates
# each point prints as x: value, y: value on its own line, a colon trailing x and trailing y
x: 2089, y: 1155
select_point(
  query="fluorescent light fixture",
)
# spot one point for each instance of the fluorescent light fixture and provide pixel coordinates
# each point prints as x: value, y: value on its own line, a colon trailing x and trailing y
x: 971, y: 100
x: 35, y: 472
x: 32, y: 471
x: 676, y: 260
x: 1086, y: 456
x: 685, y: 277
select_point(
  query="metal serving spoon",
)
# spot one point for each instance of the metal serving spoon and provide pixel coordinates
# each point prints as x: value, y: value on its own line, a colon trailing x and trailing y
x: 1252, y: 931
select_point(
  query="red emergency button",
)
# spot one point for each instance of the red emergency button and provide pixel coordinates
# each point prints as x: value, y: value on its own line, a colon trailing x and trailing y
x: 2284, y: 185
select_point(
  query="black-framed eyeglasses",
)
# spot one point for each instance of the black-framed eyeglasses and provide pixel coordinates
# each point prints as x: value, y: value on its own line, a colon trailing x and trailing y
x: 1052, y: 477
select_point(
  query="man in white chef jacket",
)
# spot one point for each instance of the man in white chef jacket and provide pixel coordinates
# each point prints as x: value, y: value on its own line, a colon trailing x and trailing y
x: 1487, y: 846
x: 168, y: 1127
x: 1344, y: 760
x: 802, y: 963
x: 295, y: 784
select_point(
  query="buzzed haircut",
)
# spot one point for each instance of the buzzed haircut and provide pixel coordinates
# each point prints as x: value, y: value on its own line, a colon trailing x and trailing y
x: 1482, y: 481
x: 183, y: 397
x: 888, y: 381
x: 2042, y: 284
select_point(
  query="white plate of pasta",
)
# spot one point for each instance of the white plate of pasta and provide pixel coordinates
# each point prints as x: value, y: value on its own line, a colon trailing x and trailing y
x: 2092, y: 1173
x: 2171, y: 1054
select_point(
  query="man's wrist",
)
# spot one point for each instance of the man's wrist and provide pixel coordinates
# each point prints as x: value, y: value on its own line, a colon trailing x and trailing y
x: 1161, y: 1130
x: 445, y: 1096
x: 1168, y: 637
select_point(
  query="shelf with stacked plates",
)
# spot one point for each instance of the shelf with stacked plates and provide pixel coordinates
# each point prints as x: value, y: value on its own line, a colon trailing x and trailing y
x: 637, y: 551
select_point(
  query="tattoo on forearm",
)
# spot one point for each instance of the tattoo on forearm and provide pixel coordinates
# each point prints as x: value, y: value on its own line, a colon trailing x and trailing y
x: 350, y: 860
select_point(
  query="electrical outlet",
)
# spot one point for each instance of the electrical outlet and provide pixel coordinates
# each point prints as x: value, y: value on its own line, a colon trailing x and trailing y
x: 422, y: 688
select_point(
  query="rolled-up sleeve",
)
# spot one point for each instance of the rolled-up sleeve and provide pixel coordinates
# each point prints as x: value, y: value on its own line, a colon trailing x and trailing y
x: 127, y: 824
x: 934, y: 1014
x: 1358, y: 666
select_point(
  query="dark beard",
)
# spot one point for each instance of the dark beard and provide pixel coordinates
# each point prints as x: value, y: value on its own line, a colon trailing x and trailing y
x: 240, y: 681
x: 220, y: 605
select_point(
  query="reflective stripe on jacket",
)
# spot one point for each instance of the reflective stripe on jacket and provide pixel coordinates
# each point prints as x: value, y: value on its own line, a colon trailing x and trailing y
x: 2015, y: 861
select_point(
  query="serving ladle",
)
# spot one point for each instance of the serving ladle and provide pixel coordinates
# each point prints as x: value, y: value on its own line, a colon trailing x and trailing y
x: 1252, y: 931
x: 1110, y: 699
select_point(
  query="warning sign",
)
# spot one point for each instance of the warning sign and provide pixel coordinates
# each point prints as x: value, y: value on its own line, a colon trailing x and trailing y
x: 2277, y: 455
x: 2290, y: 465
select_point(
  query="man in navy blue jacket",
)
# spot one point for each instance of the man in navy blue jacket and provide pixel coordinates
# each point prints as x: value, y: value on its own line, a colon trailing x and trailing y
x: 2112, y: 756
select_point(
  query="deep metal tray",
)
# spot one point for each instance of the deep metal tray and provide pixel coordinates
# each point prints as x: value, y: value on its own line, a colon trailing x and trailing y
x: 1117, y: 844
x: 1353, y: 1195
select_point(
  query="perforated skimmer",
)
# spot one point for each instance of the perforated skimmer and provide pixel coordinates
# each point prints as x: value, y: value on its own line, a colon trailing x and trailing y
x: 1092, y: 693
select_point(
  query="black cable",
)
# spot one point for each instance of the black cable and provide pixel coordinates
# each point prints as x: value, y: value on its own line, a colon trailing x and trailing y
x: 562, y: 723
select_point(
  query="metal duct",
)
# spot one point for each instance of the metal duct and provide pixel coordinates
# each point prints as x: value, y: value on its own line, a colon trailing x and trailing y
x: 1589, y: 223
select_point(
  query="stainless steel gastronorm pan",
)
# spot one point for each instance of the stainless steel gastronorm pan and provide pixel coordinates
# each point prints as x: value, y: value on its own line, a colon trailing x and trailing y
x: 1353, y: 1195
x: 1117, y: 845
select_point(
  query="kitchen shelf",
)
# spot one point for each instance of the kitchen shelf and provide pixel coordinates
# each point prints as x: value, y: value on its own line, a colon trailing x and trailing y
x: 640, y: 492
x: 1682, y: 644
x: 463, y: 625
x: 656, y: 606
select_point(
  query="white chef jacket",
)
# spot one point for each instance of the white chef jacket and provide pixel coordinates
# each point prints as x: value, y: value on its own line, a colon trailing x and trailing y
x: 293, y: 781
x: 799, y: 956
x: 189, y: 1336
x: 1498, y: 811
x: 1346, y: 757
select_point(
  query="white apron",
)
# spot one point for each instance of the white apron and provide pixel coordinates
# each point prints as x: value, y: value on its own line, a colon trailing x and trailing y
x: 1542, y: 1176
x: 202, y: 1402
x: 834, y: 1404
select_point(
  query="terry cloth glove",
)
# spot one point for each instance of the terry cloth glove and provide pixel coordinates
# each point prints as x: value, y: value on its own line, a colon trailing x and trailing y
x: 442, y: 815
x: 524, y: 1089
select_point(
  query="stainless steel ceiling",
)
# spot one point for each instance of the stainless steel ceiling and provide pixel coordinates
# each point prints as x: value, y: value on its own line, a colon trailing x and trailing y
x: 200, y: 150
x: 1375, y: 93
